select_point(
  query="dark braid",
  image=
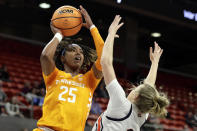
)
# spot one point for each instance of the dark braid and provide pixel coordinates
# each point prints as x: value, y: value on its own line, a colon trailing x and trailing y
x: 89, y: 54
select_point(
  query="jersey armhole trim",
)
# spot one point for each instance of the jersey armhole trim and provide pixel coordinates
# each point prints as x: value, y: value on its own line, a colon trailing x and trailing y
x: 121, y: 119
x: 99, y: 127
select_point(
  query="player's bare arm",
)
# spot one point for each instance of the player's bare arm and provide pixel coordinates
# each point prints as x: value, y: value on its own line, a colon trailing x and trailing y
x: 154, y: 58
x: 46, y: 58
x: 89, y: 24
x: 107, y: 55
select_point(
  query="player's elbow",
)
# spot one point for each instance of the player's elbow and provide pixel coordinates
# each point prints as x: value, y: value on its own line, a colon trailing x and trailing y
x: 44, y: 56
x: 105, y: 62
x: 149, y: 82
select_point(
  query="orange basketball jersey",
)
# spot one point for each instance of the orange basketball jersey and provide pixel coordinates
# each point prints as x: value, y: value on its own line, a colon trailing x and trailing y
x: 68, y: 100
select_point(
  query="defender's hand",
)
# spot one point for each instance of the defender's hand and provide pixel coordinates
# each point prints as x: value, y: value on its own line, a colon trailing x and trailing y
x: 156, y: 54
x: 115, y: 26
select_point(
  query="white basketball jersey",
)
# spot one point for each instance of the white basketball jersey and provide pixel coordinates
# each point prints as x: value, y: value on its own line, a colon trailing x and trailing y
x: 121, y: 114
x: 131, y: 122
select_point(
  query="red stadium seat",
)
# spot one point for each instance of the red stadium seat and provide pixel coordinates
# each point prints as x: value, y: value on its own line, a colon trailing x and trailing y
x: 181, y: 118
x: 172, y: 111
x: 15, y: 92
x: 19, y: 86
x: 92, y: 119
x: 180, y: 124
x: 26, y: 111
x: 182, y: 113
x: 164, y: 121
x: 22, y: 100
x: 7, y: 84
x: 93, y: 116
x: 90, y: 122
x: 9, y: 93
x: 176, y: 128
x: 37, y: 110
x: 102, y: 100
x: 18, y: 80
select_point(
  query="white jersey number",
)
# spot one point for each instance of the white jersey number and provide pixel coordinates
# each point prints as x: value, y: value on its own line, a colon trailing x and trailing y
x: 71, y: 98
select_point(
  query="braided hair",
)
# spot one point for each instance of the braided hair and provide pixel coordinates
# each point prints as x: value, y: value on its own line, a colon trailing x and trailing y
x: 89, y: 54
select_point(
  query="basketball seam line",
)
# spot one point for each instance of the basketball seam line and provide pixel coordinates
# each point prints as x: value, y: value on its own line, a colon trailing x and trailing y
x: 66, y: 28
x: 65, y: 17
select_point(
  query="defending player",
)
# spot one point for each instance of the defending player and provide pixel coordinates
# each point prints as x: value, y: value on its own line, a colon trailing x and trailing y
x: 129, y: 113
x: 69, y: 94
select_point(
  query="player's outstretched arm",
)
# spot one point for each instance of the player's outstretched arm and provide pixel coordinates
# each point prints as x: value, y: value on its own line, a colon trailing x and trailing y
x: 154, y: 58
x: 46, y: 58
x: 107, y: 54
x: 99, y: 43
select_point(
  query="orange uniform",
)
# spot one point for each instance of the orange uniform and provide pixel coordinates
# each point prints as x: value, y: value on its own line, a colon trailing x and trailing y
x: 68, y: 99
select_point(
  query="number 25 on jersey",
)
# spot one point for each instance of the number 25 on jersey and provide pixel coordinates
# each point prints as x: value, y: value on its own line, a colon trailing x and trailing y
x: 71, y: 96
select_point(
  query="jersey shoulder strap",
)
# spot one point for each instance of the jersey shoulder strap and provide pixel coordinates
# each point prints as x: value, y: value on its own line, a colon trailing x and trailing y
x: 121, y: 119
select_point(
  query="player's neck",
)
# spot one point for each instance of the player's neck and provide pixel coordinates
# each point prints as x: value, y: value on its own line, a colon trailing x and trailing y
x: 73, y: 72
x: 130, y: 99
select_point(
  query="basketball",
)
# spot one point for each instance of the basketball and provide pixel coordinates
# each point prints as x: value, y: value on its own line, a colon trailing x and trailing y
x: 68, y: 19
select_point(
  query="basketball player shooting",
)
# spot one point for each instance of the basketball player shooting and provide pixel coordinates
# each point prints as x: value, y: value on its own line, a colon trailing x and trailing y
x: 129, y: 113
x: 68, y: 92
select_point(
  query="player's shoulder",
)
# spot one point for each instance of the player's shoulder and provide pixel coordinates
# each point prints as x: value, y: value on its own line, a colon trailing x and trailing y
x: 89, y: 75
x: 140, y: 118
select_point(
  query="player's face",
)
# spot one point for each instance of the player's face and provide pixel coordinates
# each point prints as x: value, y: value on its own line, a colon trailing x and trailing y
x: 74, y: 56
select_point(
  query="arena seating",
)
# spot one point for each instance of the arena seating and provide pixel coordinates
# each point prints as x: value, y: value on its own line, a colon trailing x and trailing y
x: 22, y: 61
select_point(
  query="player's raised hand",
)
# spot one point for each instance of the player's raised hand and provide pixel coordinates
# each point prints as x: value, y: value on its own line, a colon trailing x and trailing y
x: 88, y: 21
x: 115, y: 25
x: 156, y: 54
x: 54, y: 29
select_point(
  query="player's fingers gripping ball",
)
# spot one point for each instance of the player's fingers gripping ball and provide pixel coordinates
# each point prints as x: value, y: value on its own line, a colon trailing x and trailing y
x: 68, y: 19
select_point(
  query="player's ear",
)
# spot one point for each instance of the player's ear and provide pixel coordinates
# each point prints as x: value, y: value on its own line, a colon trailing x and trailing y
x: 136, y: 95
x: 63, y: 59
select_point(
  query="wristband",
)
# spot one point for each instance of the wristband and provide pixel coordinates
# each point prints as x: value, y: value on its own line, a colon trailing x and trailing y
x: 58, y: 36
x: 92, y: 26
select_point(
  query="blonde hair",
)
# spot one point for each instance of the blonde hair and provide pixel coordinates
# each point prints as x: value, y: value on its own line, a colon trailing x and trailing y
x: 149, y: 100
